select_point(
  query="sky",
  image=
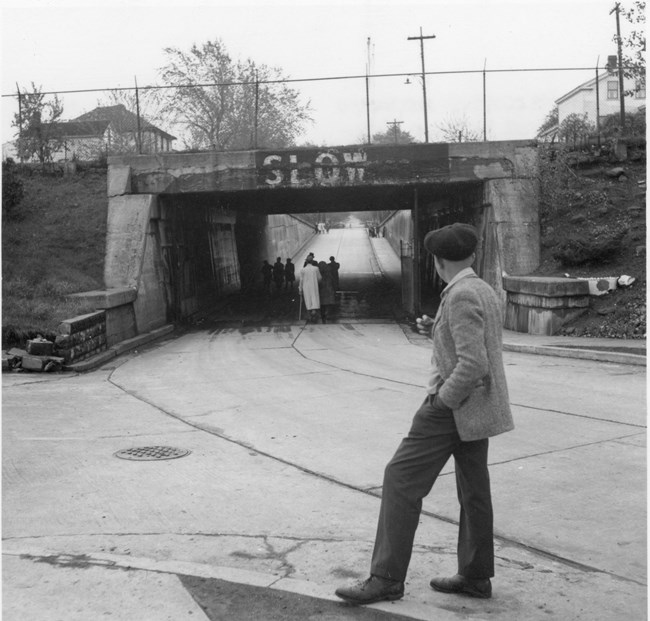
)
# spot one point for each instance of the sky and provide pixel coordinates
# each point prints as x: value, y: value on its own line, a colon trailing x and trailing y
x: 60, y: 45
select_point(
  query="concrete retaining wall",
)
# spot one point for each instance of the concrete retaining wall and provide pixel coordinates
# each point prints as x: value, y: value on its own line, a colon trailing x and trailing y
x: 284, y: 236
x: 399, y: 228
x: 133, y: 257
x: 541, y: 305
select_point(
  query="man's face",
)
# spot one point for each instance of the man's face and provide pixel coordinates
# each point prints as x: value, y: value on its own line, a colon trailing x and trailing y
x: 440, y: 266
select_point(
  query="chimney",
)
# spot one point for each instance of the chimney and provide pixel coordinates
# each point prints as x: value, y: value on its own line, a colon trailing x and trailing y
x: 611, y: 64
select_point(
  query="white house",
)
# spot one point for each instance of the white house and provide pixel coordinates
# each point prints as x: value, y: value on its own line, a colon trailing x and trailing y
x: 598, y: 98
x: 104, y: 131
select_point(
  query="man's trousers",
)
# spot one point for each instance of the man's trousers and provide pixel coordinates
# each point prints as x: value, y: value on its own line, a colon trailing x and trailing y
x: 409, y: 477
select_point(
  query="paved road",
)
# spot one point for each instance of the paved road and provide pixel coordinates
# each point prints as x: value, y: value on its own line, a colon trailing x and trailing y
x: 289, y: 427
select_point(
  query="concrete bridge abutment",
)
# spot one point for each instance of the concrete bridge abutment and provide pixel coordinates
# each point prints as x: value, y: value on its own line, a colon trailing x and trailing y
x: 186, y: 227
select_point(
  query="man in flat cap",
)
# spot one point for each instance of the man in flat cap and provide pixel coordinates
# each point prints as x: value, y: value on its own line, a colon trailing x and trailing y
x: 467, y: 402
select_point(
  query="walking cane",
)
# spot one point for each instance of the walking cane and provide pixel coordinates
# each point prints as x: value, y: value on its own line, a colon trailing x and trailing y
x: 299, y: 306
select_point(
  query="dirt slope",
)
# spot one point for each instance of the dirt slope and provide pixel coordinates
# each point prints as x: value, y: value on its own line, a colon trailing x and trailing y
x: 603, y: 216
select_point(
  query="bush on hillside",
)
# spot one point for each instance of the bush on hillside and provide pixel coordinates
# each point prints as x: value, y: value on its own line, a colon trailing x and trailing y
x: 12, y: 189
x: 582, y: 250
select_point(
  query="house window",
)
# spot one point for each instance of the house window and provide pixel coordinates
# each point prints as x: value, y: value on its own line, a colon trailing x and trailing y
x: 612, y: 89
x: 639, y: 89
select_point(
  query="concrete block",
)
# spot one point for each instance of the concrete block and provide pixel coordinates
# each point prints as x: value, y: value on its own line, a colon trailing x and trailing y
x: 537, y: 301
x: 9, y: 361
x: 81, y: 322
x: 120, y: 324
x: 40, y: 347
x: 545, y: 286
x: 108, y: 298
x: 119, y: 180
x: 33, y: 363
x: 537, y: 320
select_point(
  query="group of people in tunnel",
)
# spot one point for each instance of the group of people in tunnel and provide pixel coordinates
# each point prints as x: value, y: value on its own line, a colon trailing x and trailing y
x: 278, y: 273
x: 317, y: 286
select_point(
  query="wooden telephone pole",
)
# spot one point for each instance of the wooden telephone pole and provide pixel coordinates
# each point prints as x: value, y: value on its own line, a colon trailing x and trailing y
x: 394, y: 123
x: 424, y: 82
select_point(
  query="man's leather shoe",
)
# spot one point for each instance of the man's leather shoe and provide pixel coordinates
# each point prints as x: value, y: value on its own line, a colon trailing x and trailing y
x: 460, y: 584
x: 374, y: 589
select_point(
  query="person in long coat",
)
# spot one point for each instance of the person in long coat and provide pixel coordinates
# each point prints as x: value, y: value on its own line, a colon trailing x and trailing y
x: 326, y: 289
x: 308, y: 288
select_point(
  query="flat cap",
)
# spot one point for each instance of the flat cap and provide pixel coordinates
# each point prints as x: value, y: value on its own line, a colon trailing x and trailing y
x: 453, y: 242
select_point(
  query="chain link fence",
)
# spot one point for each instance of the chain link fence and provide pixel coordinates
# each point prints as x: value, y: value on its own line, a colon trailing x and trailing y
x: 576, y: 105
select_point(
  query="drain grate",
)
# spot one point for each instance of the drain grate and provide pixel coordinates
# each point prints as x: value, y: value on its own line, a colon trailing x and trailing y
x: 152, y: 453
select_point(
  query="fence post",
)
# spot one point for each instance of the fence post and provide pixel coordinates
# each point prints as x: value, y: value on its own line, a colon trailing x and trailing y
x: 257, y: 109
x: 137, y: 108
x: 20, y: 124
x: 598, y: 102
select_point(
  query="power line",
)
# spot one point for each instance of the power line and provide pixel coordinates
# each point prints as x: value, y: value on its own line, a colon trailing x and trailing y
x: 298, y: 80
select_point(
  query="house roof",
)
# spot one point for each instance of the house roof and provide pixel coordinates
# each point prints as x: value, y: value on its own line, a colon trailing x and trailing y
x: 122, y: 119
x: 71, y: 129
x: 80, y: 129
x: 585, y: 86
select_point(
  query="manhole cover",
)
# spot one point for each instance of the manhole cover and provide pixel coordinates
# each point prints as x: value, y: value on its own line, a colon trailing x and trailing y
x: 151, y: 453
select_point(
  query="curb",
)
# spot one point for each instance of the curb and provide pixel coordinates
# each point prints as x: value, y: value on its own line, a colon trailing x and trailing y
x: 118, y: 349
x: 582, y: 354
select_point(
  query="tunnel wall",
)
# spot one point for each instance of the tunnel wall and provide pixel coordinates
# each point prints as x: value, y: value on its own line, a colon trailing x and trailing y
x: 399, y: 228
x: 269, y: 237
x: 285, y: 235
x: 132, y: 264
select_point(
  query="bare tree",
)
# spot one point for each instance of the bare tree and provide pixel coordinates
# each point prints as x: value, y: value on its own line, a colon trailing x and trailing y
x: 456, y: 129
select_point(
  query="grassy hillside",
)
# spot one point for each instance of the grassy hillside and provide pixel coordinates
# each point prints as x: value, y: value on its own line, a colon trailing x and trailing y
x: 54, y: 247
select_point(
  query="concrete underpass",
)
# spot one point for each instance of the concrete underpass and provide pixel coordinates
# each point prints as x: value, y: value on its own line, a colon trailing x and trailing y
x: 215, y: 245
x: 187, y: 233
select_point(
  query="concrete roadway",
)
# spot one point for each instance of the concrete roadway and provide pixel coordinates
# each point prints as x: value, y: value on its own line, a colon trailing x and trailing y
x: 289, y: 428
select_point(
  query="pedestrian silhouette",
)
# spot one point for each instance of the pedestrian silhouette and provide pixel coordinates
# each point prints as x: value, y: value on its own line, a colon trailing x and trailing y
x: 334, y: 268
x: 278, y: 273
x: 267, y: 272
x: 326, y: 291
x: 289, y: 274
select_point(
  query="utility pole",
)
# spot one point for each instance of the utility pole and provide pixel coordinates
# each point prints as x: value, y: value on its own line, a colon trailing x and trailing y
x: 621, y: 94
x: 368, y: 70
x: 421, y: 38
x: 484, y: 106
x: 394, y: 123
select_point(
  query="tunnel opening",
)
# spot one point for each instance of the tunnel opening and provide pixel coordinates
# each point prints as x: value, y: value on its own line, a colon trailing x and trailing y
x: 214, y: 243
